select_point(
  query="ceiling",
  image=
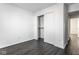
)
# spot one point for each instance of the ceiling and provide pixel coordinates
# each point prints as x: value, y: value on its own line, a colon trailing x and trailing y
x: 34, y: 7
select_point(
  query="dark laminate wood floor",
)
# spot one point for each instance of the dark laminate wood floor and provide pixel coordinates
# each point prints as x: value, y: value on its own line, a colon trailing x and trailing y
x: 32, y: 47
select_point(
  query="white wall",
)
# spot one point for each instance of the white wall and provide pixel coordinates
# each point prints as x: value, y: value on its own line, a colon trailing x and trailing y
x: 78, y: 26
x: 54, y: 26
x: 16, y: 25
x: 73, y: 26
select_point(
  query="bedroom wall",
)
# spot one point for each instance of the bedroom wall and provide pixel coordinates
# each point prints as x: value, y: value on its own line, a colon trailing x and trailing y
x: 16, y: 25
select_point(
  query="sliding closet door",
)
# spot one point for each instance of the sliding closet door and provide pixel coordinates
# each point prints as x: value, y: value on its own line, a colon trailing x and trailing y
x: 49, y: 28
x: 53, y: 29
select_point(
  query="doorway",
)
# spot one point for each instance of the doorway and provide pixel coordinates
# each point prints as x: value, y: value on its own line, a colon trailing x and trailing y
x: 74, y: 29
x: 41, y: 27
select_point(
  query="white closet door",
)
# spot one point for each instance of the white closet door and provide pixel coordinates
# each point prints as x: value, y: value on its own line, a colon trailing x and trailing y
x: 53, y: 29
x: 49, y: 28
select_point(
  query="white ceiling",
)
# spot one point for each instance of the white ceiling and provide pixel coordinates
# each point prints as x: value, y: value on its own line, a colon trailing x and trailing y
x: 34, y: 7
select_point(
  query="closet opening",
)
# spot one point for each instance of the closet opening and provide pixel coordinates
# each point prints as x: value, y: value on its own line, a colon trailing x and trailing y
x: 41, y: 27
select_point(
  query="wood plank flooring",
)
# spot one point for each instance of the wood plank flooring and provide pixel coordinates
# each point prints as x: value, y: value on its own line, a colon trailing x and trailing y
x: 32, y: 47
x: 73, y: 46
